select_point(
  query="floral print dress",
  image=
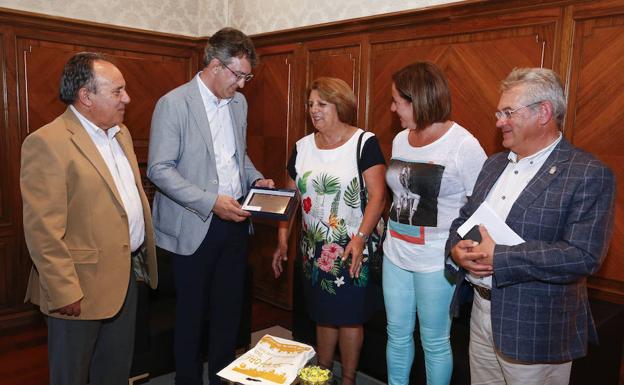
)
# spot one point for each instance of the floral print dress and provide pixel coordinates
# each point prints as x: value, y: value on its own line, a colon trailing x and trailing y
x: 327, y: 181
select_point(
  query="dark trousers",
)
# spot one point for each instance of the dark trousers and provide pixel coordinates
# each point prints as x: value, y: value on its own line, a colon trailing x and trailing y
x: 94, y: 351
x: 209, y: 285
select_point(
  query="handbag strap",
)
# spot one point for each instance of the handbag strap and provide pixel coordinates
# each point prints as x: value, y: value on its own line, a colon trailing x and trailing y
x: 363, y: 197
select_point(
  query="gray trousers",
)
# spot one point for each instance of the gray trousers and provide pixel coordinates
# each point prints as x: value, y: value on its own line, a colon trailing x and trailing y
x: 98, y: 352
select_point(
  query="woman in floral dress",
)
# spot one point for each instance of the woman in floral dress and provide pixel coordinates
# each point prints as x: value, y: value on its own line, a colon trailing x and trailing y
x: 323, y: 168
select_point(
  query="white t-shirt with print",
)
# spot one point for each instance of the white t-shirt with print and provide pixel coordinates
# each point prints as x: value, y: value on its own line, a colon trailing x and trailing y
x: 429, y: 185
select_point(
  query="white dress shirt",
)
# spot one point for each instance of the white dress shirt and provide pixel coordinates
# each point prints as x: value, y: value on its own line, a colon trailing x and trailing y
x: 508, y: 187
x: 222, y: 131
x: 120, y: 169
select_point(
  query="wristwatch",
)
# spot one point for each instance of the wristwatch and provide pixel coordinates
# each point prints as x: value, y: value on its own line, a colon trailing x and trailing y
x: 362, y: 235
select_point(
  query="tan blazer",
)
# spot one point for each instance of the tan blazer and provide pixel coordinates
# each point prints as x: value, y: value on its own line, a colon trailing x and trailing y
x: 75, y: 224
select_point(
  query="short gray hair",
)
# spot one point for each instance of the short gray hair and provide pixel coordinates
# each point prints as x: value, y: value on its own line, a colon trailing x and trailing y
x: 228, y: 43
x: 542, y: 84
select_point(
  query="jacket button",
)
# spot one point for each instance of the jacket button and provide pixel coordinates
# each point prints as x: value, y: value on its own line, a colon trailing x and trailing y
x: 215, y: 181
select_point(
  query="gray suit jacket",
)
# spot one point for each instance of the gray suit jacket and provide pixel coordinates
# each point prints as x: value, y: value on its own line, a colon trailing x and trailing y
x: 540, y: 310
x: 181, y: 164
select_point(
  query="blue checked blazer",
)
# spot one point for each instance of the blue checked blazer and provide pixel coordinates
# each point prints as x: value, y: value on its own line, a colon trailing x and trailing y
x: 540, y: 310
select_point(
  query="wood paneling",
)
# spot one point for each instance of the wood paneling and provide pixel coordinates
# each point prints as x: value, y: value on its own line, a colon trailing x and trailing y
x: 269, y: 130
x: 596, y: 112
x: 473, y: 77
x: 336, y: 61
x: 476, y: 43
x: 4, y: 145
x: 41, y: 64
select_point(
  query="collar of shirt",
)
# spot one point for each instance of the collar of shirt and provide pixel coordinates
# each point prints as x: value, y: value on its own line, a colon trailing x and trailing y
x: 92, y: 129
x: 541, y: 155
x: 211, y: 102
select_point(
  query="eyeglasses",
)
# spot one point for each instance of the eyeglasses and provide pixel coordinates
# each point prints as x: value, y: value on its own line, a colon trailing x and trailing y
x: 239, y: 75
x: 507, y: 113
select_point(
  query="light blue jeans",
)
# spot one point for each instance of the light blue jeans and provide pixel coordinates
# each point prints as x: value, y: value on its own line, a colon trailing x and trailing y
x: 407, y: 293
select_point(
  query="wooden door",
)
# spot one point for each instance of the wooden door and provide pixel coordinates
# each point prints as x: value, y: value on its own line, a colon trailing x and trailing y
x: 271, y: 132
x: 595, y: 116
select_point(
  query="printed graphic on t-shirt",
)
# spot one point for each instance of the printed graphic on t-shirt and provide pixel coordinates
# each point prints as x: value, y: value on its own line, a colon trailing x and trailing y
x: 416, y: 205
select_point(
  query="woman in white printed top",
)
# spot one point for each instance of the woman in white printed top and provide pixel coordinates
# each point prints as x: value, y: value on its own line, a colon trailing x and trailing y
x: 434, y: 165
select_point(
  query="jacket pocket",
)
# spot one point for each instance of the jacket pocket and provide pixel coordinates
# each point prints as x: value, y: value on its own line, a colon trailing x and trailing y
x: 84, y: 256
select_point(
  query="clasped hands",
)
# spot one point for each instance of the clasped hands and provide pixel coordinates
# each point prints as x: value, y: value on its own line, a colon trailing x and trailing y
x: 476, y: 257
x: 228, y: 208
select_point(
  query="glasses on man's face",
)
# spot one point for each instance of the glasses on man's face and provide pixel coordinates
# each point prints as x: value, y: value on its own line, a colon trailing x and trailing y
x: 508, y: 114
x: 239, y: 75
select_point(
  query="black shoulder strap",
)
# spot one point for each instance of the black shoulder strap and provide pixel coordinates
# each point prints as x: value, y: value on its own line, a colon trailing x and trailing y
x: 363, y: 197
x: 359, y: 167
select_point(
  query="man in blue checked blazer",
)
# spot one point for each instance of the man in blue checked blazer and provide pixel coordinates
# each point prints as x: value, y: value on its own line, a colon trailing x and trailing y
x: 530, y: 315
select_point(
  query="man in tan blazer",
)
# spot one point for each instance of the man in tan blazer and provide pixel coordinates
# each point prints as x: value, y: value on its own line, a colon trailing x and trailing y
x: 88, y: 226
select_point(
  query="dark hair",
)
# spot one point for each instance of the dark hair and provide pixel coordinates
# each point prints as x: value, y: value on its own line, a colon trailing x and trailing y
x: 78, y: 73
x: 228, y: 43
x: 424, y: 85
x: 337, y: 92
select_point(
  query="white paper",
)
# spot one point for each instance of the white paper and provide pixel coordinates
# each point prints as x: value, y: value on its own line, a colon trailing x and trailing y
x: 496, y: 227
x: 273, y: 361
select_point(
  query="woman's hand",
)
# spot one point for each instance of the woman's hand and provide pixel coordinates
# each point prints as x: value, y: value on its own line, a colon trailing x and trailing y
x: 280, y: 254
x: 355, y: 249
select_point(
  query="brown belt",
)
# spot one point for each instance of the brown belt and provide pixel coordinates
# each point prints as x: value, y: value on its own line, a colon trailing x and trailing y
x: 484, y: 293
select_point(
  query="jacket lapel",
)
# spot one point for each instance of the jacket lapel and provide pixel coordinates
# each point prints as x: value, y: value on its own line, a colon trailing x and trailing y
x: 126, y: 147
x: 235, y: 115
x: 550, y: 170
x: 85, y: 144
x: 494, y: 171
x: 198, y: 112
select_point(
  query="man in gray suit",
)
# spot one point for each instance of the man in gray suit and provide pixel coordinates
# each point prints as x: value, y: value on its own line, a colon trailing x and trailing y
x: 198, y: 162
x: 530, y: 315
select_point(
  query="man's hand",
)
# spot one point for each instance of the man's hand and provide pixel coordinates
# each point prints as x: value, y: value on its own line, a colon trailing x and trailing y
x: 228, y: 209
x: 280, y: 255
x: 73, y: 309
x: 486, y: 246
x: 266, y: 183
x: 472, y: 256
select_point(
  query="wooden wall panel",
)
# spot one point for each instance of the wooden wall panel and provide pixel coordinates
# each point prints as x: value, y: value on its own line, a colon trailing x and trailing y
x: 269, y: 134
x: 596, y: 112
x: 334, y: 60
x: 473, y: 76
x: 14, y: 266
x: 342, y: 63
x: 5, y: 268
x: 41, y: 64
x: 4, y: 146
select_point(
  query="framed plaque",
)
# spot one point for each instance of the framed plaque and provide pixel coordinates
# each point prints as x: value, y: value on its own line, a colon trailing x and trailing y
x: 270, y: 203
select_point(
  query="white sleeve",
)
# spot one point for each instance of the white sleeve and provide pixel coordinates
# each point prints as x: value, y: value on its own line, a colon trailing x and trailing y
x: 469, y: 160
